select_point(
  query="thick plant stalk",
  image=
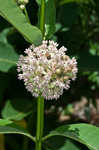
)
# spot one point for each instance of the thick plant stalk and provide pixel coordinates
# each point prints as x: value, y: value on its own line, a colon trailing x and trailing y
x: 40, y: 121
x: 42, y: 17
x: 40, y: 101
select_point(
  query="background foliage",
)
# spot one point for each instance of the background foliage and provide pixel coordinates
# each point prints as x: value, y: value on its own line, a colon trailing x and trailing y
x: 74, y: 24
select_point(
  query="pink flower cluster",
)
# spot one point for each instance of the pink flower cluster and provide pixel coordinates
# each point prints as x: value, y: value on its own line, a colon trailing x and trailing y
x: 46, y: 70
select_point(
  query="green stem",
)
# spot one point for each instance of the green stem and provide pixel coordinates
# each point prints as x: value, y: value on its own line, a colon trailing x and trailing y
x: 26, y: 14
x: 40, y: 121
x: 42, y: 17
x: 40, y: 101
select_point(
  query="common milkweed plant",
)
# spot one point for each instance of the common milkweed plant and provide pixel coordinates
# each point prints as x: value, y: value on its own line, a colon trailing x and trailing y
x: 46, y: 71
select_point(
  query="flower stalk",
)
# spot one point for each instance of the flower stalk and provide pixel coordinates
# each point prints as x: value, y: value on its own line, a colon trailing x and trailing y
x: 40, y: 101
x: 40, y: 121
x: 42, y: 17
x: 26, y: 14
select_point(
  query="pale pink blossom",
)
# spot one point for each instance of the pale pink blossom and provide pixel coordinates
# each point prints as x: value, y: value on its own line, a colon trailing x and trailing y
x: 47, y: 70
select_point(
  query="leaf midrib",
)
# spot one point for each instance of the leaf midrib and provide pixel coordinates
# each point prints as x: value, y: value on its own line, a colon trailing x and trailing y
x: 7, y: 61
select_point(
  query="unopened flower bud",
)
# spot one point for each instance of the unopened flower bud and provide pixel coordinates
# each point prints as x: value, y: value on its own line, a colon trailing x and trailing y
x: 58, y: 71
x: 66, y: 78
x: 20, y: 1
x: 65, y: 57
x: 26, y: 1
x: 23, y: 1
x: 22, y: 6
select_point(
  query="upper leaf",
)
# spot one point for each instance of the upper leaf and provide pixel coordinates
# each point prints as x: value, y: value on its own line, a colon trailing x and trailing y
x: 12, y: 13
x: 83, y: 133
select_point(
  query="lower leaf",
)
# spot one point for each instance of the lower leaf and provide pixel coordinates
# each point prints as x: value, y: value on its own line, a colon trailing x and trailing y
x: 14, y: 129
x: 83, y: 133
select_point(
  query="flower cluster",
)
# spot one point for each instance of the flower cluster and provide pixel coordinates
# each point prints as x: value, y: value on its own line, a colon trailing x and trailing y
x: 46, y: 70
x: 22, y: 3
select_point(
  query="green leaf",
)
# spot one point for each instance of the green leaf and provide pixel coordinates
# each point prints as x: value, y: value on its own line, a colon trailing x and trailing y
x: 83, y: 133
x: 17, y: 110
x: 8, y: 57
x: 70, y: 145
x: 62, y: 143
x: 14, y: 129
x: 12, y: 13
x: 3, y: 35
x: 50, y: 18
x: 5, y: 122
